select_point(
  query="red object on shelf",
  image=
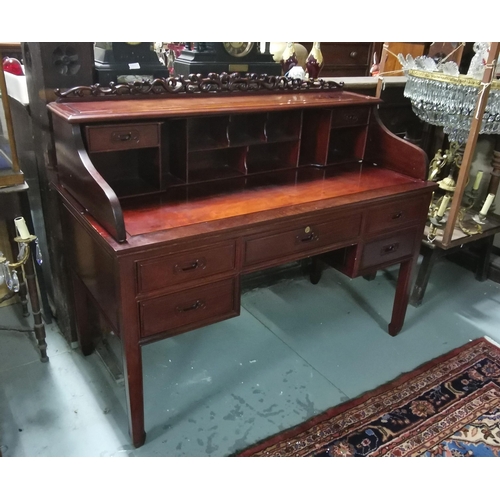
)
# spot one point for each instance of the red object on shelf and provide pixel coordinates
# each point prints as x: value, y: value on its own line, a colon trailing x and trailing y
x: 12, y: 65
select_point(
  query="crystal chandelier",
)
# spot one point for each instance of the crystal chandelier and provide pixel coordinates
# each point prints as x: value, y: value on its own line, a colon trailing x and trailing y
x: 464, y: 106
x: 449, y: 101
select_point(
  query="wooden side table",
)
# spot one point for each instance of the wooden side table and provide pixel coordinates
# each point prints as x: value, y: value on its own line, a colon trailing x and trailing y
x: 434, y: 249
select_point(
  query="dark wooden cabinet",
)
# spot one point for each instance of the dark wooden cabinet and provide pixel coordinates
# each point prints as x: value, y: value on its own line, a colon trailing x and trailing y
x: 346, y: 58
x: 167, y: 202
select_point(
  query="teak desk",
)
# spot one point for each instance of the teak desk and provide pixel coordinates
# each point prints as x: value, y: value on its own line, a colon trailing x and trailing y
x: 168, y: 201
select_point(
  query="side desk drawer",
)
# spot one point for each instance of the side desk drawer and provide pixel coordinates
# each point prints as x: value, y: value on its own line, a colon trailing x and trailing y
x: 396, y: 214
x: 186, y: 266
x: 302, y: 240
x: 103, y: 138
x: 343, y: 117
x: 390, y: 248
x: 195, y: 306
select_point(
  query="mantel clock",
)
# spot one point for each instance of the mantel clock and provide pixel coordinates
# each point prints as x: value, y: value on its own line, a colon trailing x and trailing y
x: 225, y: 57
x: 119, y: 61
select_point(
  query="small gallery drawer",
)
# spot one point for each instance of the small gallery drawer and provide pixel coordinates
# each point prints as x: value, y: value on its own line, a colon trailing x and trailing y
x: 396, y: 214
x: 101, y: 138
x: 195, y: 306
x: 302, y: 240
x: 388, y: 249
x: 343, y: 117
x: 182, y: 267
x: 346, y: 53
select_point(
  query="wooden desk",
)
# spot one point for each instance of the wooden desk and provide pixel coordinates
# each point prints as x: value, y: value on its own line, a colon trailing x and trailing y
x: 168, y: 202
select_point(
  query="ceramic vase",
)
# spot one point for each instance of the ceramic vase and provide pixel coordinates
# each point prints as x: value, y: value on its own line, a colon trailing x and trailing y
x: 314, y: 61
x: 288, y: 58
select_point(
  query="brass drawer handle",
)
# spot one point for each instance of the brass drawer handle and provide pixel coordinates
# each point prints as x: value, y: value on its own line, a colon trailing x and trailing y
x: 389, y: 249
x: 310, y: 237
x: 351, y: 118
x: 196, y: 264
x: 132, y: 135
x: 199, y: 304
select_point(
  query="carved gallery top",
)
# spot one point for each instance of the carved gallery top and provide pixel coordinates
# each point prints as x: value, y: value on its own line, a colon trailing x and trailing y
x: 198, y: 84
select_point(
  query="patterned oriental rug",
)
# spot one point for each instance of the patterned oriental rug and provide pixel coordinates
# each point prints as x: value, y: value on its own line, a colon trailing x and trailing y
x: 446, y: 408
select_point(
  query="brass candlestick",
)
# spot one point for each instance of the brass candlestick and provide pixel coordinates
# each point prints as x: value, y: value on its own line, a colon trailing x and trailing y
x: 8, y: 273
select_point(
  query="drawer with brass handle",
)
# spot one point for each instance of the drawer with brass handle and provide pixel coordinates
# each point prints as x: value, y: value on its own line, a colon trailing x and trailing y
x: 308, y: 239
x: 388, y: 249
x: 102, y: 138
x: 192, y: 307
x: 180, y: 267
x: 396, y: 214
x: 343, y: 117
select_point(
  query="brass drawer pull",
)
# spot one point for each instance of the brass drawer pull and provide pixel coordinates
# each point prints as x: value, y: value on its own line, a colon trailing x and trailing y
x: 124, y: 136
x: 197, y: 264
x: 351, y: 118
x: 310, y: 237
x: 389, y: 248
x: 199, y: 304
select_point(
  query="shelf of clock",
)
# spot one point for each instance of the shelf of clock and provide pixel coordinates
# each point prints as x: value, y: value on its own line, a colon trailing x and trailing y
x: 225, y: 57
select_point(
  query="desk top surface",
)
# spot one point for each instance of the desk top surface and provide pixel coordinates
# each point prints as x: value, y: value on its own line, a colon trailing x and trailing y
x: 115, y: 109
x: 154, y: 219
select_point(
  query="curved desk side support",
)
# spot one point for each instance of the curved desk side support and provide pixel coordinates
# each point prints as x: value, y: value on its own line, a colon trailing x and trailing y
x: 385, y: 148
x: 78, y: 175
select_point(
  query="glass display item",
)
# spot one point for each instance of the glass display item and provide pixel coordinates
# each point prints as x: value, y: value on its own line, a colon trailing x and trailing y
x: 12, y: 65
x: 464, y: 106
x: 288, y: 58
x: 314, y: 61
x: 449, y: 101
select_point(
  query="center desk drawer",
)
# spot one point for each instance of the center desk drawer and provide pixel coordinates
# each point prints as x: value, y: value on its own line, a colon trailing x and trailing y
x: 101, y: 138
x: 396, y: 214
x: 181, y: 267
x: 195, y: 306
x: 302, y: 240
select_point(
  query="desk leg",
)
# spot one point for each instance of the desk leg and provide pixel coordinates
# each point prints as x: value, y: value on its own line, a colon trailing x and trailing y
x: 132, y: 365
x: 316, y: 270
x: 132, y: 359
x: 81, y: 316
x: 401, y: 297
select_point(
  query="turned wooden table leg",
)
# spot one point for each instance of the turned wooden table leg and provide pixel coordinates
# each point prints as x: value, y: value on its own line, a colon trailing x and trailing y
x: 29, y: 271
x: 23, y: 293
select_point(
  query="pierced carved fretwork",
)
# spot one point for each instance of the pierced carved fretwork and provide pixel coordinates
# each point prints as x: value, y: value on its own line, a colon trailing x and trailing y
x: 198, y: 84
